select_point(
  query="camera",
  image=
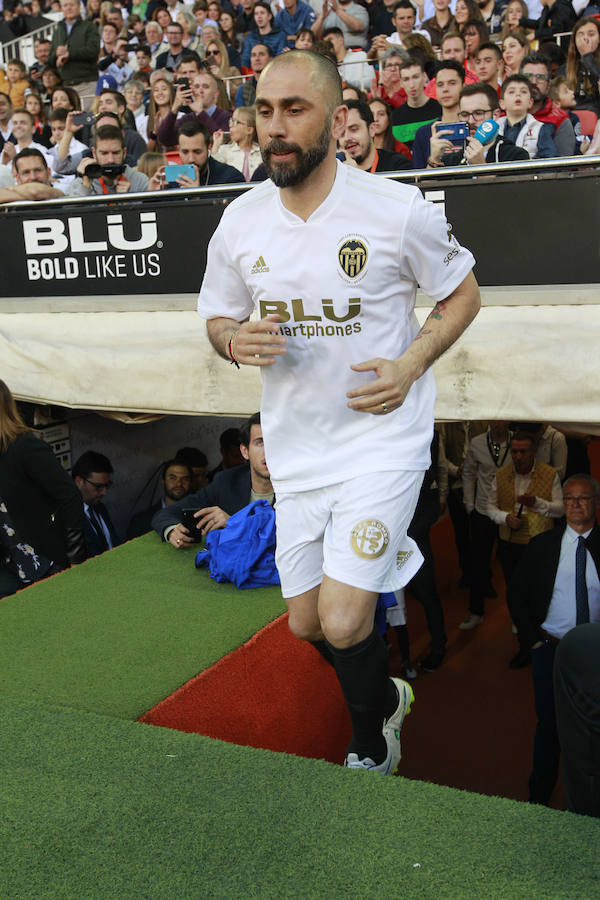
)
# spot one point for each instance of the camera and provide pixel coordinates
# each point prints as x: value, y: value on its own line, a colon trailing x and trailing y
x: 111, y: 170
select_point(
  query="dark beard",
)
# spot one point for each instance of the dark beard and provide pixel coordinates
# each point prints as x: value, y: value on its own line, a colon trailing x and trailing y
x: 291, y: 174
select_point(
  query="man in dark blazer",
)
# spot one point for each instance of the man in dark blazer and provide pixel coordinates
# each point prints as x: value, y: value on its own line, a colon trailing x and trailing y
x: 92, y: 475
x: 555, y: 588
x: 176, y: 482
x: 229, y: 492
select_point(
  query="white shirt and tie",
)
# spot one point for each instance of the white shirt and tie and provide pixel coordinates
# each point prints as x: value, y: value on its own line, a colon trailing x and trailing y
x: 561, y: 616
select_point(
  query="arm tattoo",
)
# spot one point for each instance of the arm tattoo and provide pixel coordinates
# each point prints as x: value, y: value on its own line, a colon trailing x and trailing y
x: 438, y: 309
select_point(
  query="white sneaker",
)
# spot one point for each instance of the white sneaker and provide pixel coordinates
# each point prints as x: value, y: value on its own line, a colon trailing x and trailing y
x: 385, y: 768
x: 392, y: 726
x: 472, y: 621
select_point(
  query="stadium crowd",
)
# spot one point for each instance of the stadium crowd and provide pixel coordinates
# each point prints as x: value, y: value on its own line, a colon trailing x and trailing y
x: 123, y: 90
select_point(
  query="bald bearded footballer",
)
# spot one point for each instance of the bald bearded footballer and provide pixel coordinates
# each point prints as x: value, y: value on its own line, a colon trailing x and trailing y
x: 329, y: 258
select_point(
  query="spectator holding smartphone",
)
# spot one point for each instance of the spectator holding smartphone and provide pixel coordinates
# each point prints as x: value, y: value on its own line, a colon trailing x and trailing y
x: 195, y: 143
x: 431, y: 141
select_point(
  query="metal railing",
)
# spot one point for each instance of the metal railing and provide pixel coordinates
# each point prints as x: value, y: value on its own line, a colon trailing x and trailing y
x: 530, y: 169
x: 22, y: 47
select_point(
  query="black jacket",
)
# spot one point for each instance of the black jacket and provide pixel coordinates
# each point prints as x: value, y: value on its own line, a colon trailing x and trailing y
x: 392, y: 162
x: 44, y: 504
x: 95, y: 544
x: 501, y: 150
x: 230, y: 490
x: 533, y: 582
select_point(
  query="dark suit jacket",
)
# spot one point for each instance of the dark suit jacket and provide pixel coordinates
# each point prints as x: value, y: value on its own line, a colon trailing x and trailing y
x: 230, y: 490
x: 44, y: 504
x: 533, y: 581
x: 94, y: 542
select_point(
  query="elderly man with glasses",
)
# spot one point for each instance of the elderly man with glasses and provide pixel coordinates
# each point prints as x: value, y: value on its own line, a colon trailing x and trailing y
x: 556, y: 588
x: 92, y: 476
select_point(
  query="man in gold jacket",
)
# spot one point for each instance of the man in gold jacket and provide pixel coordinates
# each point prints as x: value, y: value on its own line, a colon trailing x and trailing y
x: 523, y: 502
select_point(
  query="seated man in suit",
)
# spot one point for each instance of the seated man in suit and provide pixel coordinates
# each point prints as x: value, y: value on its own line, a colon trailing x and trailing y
x: 92, y: 475
x: 176, y: 481
x: 556, y: 586
x: 229, y: 492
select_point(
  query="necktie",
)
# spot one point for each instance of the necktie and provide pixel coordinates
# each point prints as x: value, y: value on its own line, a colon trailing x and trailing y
x: 581, y: 594
x: 97, y: 526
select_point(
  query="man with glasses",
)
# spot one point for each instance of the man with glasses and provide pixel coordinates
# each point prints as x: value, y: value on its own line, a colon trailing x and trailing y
x: 171, y: 58
x: 92, y: 476
x: 556, y: 588
x: 478, y: 103
x: 538, y: 69
x: 201, y: 109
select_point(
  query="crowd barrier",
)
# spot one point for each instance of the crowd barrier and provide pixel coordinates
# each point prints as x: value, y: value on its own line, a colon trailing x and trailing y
x: 527, y: 224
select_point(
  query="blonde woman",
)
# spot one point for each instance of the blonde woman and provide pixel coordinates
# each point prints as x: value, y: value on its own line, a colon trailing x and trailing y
x: 243, y: 153
x: 190, y: 40
x: 162, y: 94
x: 217, y: 62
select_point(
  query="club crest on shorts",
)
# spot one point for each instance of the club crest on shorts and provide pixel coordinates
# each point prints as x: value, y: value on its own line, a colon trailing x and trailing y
x: 352, y: 256
x: 369, y: 539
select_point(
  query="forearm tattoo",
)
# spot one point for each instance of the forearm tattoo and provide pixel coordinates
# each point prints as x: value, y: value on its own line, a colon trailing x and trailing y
x: 436, y: 313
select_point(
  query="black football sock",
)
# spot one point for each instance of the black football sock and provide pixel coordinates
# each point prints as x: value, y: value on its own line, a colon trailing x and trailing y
x: 322, y: 648
x: 362, y: 671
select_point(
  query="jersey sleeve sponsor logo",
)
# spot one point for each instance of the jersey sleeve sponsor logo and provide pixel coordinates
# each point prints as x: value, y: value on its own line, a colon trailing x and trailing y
x: 369, y: 539
x: 353, y: 255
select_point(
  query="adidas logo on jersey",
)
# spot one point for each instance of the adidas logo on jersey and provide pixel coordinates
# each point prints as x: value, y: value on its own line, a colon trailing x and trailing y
x: 259, y: 267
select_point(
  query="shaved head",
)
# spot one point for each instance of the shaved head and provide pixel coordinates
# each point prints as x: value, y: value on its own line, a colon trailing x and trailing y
x: 323, y: 74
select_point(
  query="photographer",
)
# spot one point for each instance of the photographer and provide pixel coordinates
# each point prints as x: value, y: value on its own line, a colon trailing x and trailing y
x: 108, y: 173
x: 195, y: 142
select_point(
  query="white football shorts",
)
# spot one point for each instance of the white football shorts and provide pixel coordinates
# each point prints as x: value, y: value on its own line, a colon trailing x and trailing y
x: 353, y: 532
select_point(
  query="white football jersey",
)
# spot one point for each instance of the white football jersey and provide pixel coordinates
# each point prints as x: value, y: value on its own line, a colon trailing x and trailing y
x: 344, y: 285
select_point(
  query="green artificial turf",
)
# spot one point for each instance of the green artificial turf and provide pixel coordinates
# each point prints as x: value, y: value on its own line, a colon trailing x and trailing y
x: 124, y: 630
x: 97, y: 807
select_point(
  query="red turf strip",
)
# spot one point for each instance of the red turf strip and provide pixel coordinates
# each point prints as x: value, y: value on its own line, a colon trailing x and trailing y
x: 273, y: 692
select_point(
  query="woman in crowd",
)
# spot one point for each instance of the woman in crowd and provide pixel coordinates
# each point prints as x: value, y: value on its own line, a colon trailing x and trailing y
x: 304, y: 39
x: 243, y: 153
x: 65, y: 98
x: 150, y: 162
x: 41, y: 511
x: 50, y: 80
x: 229, y: 34
x: 465, y: 10
x: 420, y: 49
x: 583, y: 64
x: 217, y: 61
x: 33, y: 104
x: 161, y: 17
x: 190, y: 40
x: 265, y: 33
x: 214, y: 11
x: 513, y: 13
x: 383, y: 137
x: 162, y: 94
x: 134, y: 94
x: 514, y: 50
x: 92, y: 11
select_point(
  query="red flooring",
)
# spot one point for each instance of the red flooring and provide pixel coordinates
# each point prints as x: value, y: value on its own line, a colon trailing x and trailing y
x: 471, y: 726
